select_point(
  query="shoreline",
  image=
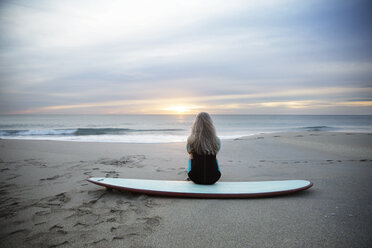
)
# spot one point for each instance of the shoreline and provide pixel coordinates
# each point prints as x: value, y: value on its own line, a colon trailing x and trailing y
x: 173, y: 142
x: 47, y: 202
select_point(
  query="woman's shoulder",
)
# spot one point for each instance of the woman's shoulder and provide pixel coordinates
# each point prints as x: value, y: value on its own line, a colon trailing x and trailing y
x: 219, y: 143
x: 188, y: 144
x: 190, y: 139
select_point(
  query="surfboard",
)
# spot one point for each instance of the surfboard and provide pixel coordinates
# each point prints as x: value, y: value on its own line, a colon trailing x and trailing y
x: 250, y: 189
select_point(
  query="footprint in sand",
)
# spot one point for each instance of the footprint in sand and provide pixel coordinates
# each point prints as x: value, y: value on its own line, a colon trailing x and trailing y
x: 54, y: 201
x: 4, y: 169
x: 40, y: 223
x: 42, y: 213
x: 88, y: 173
x: 130, y: 161
x: 141, y: 228
x: 50, y: 178
x: 55, y: 239
x: 64, y: 243
x: 100, y: 242
x: 57, y: 228
x: 20, y: 231
x: 12, y: 176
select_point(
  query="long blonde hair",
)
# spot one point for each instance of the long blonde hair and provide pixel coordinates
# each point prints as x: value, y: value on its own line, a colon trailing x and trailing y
x: 203, y: 138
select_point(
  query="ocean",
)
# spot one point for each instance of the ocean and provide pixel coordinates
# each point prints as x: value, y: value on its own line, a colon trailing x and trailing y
x: 168, y: 128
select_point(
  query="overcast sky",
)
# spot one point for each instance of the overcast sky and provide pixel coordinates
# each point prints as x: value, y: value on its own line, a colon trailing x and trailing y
x: 235, y: 57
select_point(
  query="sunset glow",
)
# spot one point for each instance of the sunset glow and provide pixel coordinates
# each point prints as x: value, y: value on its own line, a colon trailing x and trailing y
x: 180, y: 109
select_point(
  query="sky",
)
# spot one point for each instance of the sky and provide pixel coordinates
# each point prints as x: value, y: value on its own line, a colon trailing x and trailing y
x: 166, y: 57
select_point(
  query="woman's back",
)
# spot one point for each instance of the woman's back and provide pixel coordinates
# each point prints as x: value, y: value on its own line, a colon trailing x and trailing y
x: 204, y: 169
x: 203, y: 146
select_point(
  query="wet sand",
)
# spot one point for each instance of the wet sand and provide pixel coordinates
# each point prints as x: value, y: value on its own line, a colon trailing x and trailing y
x: 45, y: 200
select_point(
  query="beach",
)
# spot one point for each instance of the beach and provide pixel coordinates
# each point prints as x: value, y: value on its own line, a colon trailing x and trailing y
x: 46, y: 200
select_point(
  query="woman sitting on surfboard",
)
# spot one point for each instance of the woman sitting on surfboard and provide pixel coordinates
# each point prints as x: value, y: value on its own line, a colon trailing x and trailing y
x: 203, y: 146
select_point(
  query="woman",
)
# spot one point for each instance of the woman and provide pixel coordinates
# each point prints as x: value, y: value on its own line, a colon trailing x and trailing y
x: 203, y: 146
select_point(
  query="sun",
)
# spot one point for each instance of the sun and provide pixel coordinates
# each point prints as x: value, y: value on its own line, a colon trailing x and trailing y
x: 180, y: 109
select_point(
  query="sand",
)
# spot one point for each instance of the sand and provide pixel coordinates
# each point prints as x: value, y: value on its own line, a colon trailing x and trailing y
x: 45, y: 200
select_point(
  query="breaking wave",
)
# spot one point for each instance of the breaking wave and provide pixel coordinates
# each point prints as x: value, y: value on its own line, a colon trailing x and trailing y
x: 81, y: 132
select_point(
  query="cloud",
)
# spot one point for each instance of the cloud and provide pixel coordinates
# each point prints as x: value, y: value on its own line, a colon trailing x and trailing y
x: 318, y: 98
x: 83, y: 53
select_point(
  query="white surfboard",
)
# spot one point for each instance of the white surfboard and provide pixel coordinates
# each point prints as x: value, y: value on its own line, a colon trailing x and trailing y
x: 217, y: 190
